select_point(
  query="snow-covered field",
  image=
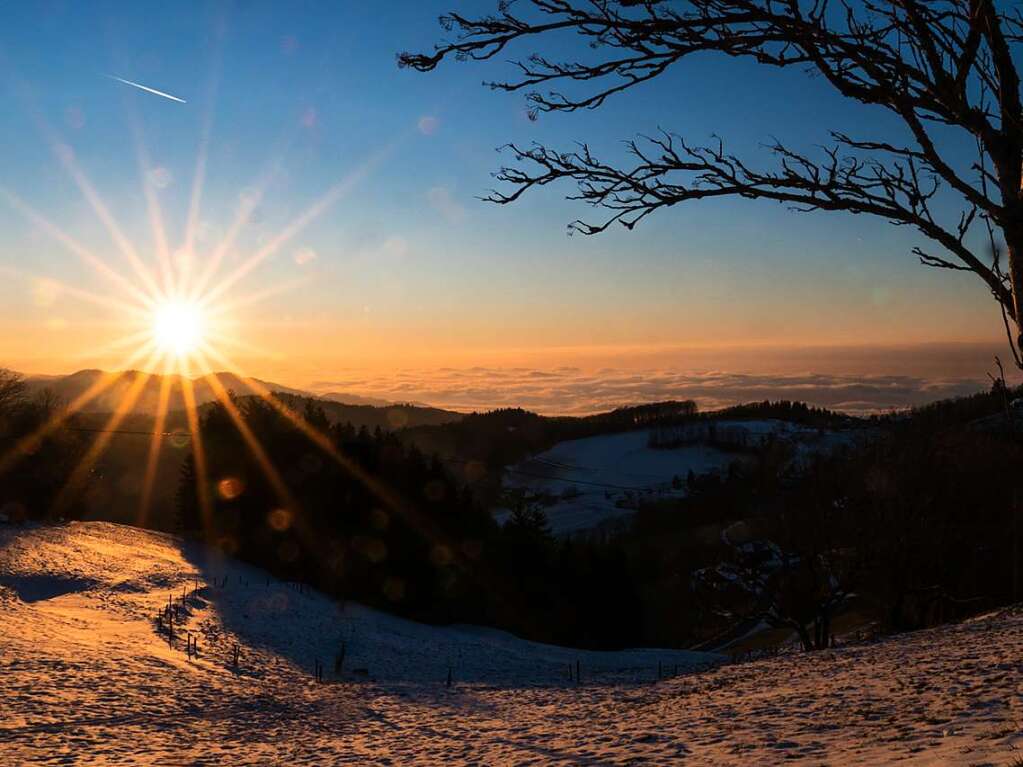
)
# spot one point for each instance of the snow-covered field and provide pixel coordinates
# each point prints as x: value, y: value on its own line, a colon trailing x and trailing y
x: 85, y: 678
x: 596, y: 479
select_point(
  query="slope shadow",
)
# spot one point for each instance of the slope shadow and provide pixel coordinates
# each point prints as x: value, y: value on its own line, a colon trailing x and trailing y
x: 38, y: 588
x: 312, y: 630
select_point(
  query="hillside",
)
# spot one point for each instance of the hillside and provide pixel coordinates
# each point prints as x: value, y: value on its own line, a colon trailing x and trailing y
x: 389, y: 417
x: 116, y: 483
x: 583, y: 483
x: 944, y: 696
x: 69, y: 387
x: 595, y: 479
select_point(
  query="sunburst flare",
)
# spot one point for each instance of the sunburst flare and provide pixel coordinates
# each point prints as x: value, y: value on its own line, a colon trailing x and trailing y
x: 178, y: 314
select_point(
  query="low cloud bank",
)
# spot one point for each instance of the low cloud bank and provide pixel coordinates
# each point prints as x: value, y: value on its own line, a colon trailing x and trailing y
x: 573, y: 391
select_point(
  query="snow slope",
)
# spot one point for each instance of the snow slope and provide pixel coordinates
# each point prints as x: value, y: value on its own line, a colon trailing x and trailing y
x: 85, y: 678
x: 595, y: 479
x: 599, y: 478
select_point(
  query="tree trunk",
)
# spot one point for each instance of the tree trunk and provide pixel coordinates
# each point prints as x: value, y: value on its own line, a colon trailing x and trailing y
x: 804, y: 637
x: 1015, y: 265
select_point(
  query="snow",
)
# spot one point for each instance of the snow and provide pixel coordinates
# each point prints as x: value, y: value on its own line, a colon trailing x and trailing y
x: 596, y: 479
x: 86, y: 678
x: 621, y: 467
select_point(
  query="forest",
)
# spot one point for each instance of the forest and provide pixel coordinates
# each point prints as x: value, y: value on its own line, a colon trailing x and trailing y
x: 912, y: 523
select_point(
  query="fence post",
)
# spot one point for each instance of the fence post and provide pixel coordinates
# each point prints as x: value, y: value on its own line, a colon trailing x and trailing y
x: 339, y: 661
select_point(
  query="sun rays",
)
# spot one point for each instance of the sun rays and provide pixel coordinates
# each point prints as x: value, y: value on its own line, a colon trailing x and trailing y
x: 178, y: 307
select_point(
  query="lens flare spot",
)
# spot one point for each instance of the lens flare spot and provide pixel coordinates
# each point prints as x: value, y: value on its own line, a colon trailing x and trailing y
x: 227, y: 544
x: 230, y: 488
x: 179, y: 438
x: 279, y: 520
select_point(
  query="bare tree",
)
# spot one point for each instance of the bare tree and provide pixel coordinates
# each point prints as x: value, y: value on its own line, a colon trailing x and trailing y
x: 784, y: 590
x: 12, y: 388
x: 940, y: 66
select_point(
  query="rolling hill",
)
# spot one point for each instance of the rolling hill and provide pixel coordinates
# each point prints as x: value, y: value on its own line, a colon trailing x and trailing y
x: 69, y: 387
x: 91, y: 676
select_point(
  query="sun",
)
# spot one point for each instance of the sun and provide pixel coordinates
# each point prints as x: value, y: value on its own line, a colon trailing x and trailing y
x: 178, y: 327
x: 180, y: 312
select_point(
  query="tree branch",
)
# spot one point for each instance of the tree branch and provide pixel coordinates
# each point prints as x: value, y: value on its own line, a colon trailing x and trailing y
x: 944, y: 62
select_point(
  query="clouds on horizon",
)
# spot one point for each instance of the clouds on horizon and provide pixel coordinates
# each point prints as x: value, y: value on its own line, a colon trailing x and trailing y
x: 574, y: 391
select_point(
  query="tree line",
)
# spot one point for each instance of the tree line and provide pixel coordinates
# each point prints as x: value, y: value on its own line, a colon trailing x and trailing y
x: 916, y: 523
x: 35, y: 469
x: 912, y: 526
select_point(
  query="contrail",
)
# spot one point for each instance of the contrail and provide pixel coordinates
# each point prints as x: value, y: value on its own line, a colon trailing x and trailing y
x: 146, y: 88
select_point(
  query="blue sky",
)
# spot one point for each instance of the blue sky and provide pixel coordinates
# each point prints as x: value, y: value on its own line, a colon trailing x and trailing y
x: 407, y: 266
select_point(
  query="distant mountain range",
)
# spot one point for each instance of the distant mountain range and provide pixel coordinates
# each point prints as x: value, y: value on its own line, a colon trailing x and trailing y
x: 357, y: 399
x: 339, y: 406
x: 70, y: 387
